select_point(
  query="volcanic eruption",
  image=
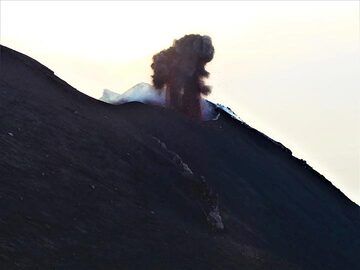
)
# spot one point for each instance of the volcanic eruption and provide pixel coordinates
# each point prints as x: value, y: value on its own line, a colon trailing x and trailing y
x: 88, y: 185
x: 180, y: 71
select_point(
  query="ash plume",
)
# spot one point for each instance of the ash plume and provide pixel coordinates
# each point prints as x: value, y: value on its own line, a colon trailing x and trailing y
x: 180, y: 71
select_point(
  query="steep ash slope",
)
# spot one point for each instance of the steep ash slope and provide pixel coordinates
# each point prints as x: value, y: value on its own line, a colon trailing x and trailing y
x: 88, y: 185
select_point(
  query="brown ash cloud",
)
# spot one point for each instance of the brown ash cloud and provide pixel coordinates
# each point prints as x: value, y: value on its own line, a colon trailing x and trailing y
x: 180, y: 71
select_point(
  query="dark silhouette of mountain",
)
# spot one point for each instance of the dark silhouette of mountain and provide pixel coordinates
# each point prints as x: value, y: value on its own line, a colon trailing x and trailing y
x: 88, y: 185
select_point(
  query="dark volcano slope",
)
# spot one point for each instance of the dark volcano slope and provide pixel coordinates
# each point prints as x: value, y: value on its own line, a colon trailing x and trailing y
x: 88, y: 185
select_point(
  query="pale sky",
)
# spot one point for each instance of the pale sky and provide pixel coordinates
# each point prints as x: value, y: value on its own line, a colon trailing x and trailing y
x: 288, y: 68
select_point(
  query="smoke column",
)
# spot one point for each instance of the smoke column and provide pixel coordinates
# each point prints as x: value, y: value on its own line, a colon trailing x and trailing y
x: 180, y: 71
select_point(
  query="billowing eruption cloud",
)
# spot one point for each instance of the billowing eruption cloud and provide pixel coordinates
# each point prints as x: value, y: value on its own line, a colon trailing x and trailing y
x: 180, y: 71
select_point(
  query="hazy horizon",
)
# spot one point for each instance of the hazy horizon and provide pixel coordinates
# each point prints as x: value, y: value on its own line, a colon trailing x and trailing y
x: 289, y: 69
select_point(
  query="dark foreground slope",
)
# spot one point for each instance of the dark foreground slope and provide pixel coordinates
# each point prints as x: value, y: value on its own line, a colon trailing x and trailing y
x: 87, y: 185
